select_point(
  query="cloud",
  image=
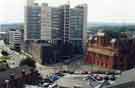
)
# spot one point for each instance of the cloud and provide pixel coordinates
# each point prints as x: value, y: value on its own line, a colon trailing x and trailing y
x: 98, y: 10
x: 11, y: 10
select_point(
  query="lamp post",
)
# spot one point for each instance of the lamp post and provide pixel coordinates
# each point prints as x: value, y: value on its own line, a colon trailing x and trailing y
x: 7, y: 83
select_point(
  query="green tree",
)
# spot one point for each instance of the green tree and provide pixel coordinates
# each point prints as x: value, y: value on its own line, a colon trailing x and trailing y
x: 4, y: 53
x: 29, y: 62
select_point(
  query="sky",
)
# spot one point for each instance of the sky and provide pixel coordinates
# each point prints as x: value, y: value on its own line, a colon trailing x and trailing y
x: 120, y: 11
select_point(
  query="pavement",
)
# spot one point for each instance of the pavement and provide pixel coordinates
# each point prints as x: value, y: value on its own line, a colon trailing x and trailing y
x: 76, y: 65
x: 45, y: 71
x: 70, y: 81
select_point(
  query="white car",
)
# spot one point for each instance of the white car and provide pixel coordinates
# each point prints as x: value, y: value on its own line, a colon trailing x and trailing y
x: 46, y: 84
x: 54, y: 85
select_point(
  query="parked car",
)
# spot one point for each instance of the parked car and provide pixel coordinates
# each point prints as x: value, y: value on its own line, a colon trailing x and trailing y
x: 85, y: 72
x: 59, y: 74
x: 112, y: 77
x: 99, y: 78
x: 54, y: 78
x: 47, y: 80
x: 66, y: 71
x: 45, y: 84
x: 54, y: 85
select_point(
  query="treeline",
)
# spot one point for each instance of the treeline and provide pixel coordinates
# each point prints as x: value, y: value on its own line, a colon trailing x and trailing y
x: 113, y: 28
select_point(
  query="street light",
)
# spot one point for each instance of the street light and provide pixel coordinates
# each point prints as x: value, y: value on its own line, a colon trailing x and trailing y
x: 7, y: 83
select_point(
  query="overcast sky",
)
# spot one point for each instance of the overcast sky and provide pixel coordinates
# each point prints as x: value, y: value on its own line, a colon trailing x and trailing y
x: 98, y: 10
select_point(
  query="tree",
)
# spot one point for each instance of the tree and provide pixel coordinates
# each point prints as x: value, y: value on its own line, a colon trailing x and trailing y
x: 4, y: 53
x: 3, y: 65
x: 29, y: 62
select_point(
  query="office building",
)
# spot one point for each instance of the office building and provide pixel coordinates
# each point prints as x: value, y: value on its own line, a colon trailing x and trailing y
x: 44, y: 53
x: 56, y: 25
x: 32, y: 26
x: 15, y: 38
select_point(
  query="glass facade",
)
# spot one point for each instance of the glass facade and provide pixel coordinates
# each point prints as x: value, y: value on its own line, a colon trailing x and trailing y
x: 33, y: 22
x: 62, y: 23
x: 75, y: 24
x: 56, y: 32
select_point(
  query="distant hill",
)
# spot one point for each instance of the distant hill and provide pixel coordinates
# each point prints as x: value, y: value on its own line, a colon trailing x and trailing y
x: 9, y: 26
x: 117, y: 27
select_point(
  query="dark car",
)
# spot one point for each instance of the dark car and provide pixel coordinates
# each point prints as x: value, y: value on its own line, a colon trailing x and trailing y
x: 54, y: 77
x: 99, y: 78
x: 85, y: 72
x: 59, y: 74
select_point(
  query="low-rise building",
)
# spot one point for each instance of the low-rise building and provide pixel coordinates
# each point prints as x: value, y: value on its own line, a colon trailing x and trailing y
x: 44, y: 53
x: 111, y: 52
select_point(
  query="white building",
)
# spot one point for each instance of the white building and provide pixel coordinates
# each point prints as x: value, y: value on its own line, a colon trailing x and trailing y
x: 15, y: 37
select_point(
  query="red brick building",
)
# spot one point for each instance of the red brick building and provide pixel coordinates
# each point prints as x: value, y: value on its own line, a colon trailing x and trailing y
x: 111, y: 53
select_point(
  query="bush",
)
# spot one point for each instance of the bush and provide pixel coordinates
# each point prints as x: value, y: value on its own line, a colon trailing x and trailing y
x: 3, y: 66
x: 29, y: 62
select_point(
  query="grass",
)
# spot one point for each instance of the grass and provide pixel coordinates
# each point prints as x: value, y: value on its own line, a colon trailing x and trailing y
x: 4, y: 58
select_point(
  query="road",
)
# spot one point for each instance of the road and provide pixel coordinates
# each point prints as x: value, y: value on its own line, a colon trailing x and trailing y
x: 45, y: 70
x: 48, y: 70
